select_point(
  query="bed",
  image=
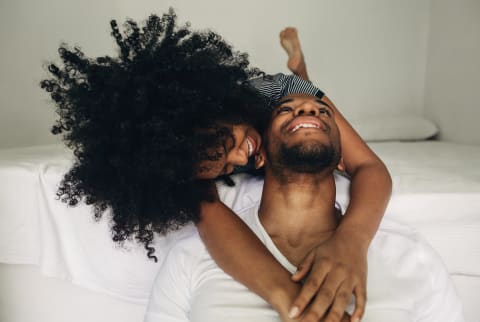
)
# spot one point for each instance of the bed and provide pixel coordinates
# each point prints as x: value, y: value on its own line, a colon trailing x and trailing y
x: 58, y: 264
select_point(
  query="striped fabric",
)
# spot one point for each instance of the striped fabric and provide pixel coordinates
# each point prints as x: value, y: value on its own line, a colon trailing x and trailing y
x: 274, y: 87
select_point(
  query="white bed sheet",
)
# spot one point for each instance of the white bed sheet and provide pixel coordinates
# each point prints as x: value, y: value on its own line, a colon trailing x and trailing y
x: 65, y: 242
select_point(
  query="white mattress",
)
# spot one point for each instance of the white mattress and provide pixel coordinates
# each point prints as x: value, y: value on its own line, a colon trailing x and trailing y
x: 436, y: 191
x: 65, y: 242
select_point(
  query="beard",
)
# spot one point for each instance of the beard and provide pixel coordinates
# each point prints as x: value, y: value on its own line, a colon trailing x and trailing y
x: 308, y: 157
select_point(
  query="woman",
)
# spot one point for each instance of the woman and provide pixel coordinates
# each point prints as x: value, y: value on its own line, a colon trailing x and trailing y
x: 151, y: 130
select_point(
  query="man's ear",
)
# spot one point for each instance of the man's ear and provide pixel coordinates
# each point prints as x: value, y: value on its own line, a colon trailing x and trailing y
x: 259, y: 159
x: 341, y: 165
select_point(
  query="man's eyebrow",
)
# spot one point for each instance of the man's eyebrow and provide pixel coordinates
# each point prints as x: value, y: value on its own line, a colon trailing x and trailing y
x: 319, y: 101
x: 288, y: 100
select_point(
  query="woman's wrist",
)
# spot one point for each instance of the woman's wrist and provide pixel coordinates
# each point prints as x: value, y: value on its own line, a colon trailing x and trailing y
x: 354, y: 236
x: 281, y: 297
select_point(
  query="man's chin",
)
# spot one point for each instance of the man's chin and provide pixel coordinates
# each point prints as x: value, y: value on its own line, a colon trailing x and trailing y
x: 308, y: 157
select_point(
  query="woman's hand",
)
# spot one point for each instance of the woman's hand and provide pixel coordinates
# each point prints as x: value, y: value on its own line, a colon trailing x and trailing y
x: 338, y: 269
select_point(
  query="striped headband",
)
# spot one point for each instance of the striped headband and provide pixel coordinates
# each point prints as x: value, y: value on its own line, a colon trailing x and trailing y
x: 275, y: 87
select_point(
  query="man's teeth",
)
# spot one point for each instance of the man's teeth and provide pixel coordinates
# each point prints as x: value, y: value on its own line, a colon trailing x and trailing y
x: 304, y: 125
x: 250, y: 147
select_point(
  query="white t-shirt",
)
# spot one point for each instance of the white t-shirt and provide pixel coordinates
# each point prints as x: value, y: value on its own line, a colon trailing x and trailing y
x: 407, y: 281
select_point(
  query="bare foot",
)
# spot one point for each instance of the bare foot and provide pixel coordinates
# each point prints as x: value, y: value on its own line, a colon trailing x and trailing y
x: 290, y: 42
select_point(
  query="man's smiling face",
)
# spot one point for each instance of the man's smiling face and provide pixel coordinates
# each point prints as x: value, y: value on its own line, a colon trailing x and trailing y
x: 303, y: 135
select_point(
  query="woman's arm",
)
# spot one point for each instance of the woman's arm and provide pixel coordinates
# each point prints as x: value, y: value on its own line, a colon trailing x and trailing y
x: 371, y: 184
x: 238, y: 251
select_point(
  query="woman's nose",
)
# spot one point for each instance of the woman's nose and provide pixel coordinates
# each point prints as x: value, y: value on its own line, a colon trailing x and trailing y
x: 237, y: 157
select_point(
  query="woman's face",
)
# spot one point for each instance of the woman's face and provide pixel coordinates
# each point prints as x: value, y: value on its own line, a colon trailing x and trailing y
x: 244, y: 143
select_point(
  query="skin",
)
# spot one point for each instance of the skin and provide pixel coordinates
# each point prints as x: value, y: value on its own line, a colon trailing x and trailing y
x: 291, y: 44
x: 336, y: 268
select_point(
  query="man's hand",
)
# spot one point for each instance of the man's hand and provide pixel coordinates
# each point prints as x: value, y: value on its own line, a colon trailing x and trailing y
x: 338, y: 269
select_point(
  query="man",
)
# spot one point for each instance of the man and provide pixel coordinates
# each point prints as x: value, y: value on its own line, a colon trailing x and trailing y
x: 406, y: 280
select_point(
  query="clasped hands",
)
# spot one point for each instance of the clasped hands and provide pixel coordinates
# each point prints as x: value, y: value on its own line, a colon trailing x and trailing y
x: 333, y: 272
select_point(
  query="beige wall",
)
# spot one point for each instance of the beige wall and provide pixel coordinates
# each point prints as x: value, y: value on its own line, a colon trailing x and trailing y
x: 369, y: 55
x: 453, y: 70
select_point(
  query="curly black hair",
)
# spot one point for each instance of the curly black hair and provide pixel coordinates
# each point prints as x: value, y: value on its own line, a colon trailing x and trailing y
x: 136, y: 123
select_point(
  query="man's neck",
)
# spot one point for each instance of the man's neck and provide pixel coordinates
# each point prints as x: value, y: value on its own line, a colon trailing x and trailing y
x: 298, y: 211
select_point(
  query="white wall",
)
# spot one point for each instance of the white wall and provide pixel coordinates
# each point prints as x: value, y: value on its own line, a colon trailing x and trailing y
x: 453, y: 70
x: 369, y: 55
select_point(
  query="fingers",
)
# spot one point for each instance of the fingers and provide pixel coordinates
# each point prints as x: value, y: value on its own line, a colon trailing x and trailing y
x: 333, y: 291
x: 310, y: 290
x: 335, y: 274
x: 304, y: 267
x: 360, y: 303
x: 332, y: 300
x: 342, y: 299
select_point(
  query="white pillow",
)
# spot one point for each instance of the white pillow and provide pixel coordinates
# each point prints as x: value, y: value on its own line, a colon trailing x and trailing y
x: 395, y: 128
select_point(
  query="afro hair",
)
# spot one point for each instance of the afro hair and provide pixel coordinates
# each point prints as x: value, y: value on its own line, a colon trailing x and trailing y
x: 136, y: 122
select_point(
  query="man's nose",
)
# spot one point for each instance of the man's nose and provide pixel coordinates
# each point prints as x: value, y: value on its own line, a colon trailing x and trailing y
x: 306, y: 109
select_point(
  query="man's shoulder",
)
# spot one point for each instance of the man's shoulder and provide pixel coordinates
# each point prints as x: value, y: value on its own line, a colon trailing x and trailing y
x: 396, y: 240
x: 402, y: 251
x: 243, y: 199
x: 185, y: 244
x: 392, y: 229
x: 246, y: 192
x: 400, y: 259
